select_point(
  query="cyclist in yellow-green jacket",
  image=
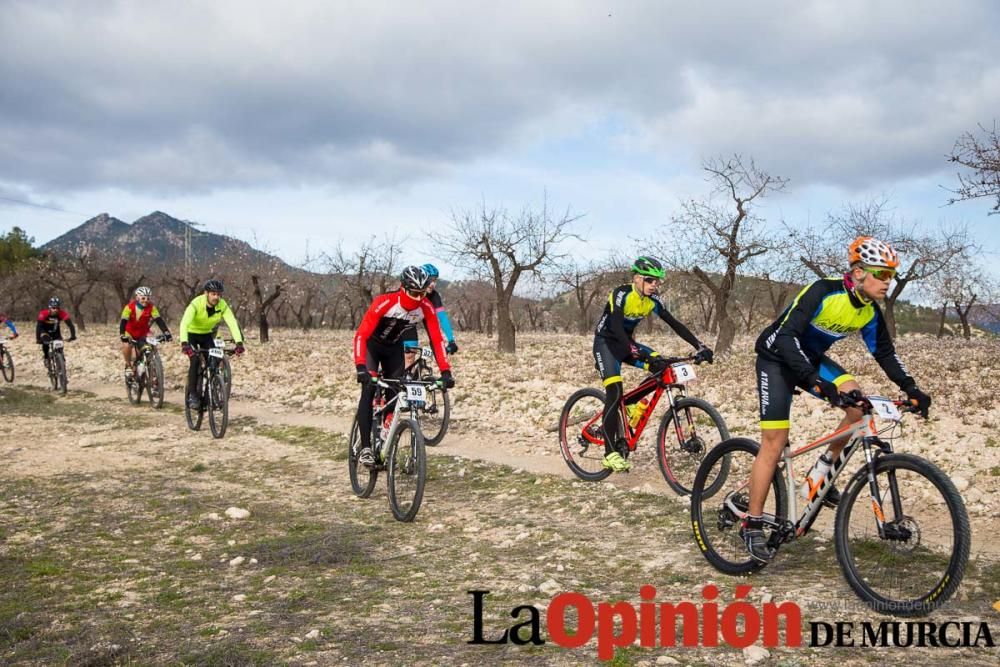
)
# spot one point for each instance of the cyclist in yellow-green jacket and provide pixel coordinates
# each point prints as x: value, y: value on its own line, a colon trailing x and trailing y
x: 201, y: 317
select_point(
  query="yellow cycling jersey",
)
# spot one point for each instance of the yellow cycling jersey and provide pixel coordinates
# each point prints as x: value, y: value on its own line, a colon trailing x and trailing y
x: 200, y: 318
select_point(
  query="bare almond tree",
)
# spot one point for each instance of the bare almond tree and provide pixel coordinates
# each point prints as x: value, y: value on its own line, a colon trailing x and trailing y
x: 722, y: 232
x: 589, y: 284
x: 963, y: 289
x: 502, y: 248
x: 371, y: 269
x: 980, y: 154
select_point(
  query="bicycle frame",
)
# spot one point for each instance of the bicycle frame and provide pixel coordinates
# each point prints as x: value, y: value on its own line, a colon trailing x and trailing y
x: 861, y: 434
x: 658, y: 385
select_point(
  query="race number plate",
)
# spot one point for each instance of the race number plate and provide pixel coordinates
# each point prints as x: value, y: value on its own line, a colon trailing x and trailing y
x: 57, y: 344
x: 683, y: 373
x: 216, y: 352
x: 219, y: 342
x: 427, y: 353
x: 153, y: 340
x: 885, y: 408
x: 415, y: 393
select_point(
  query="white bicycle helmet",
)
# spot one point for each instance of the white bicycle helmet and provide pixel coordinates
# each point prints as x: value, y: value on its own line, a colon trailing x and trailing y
x: 872, y: 252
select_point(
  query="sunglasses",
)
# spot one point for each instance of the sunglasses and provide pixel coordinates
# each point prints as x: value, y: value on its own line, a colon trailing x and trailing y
x: 649, y: 280
x: 416, y: 295
x: 881, y: 274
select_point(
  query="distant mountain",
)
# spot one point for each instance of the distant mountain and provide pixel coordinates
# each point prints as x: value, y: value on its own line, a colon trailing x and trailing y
x: 157, y: 239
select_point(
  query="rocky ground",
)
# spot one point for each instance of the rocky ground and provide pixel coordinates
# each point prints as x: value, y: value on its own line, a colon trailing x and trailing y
x: 122, y: 539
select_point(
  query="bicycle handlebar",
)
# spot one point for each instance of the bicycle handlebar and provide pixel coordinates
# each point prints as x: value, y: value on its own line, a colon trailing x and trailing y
x: 855, y: 399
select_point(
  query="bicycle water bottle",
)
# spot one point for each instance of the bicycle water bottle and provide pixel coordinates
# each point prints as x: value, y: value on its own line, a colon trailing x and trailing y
x: 636, y: 411
x: 140, y: 368
x: 386, y: 423
x: 816, y: 475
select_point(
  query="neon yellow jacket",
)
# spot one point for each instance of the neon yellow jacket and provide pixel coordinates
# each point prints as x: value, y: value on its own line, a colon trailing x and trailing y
x: 198, y: 320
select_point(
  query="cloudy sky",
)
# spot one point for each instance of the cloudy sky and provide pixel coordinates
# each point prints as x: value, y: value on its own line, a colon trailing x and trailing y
x: 315, y: 122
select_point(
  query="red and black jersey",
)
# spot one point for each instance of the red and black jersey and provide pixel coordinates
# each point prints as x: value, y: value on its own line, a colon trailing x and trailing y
x: 389, y: 316
x: 48, y: 323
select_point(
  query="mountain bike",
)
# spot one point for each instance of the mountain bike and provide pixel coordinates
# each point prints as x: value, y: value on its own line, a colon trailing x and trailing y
x: 435, y: 410
x: 903, y: 547
x: 212, y: 391
x: 6, y: 361
x: 55, y: 364
x: 147, y: 372
x: 689, y: 428
x: 398, y: 446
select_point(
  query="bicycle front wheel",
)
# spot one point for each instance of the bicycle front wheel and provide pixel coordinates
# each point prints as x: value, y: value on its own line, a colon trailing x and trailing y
x: 407, y: 466
x: 59, y: 372
x: 688, y: 432
x: 7, y: 364
x: 919, y: 560
x: 154, y: 380
x: 363, y: 478
x: 218, y: 405
x: 716, y: 515
x: 581, y: 435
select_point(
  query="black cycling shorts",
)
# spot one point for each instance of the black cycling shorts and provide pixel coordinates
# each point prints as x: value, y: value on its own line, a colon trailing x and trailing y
x: 775, y: 383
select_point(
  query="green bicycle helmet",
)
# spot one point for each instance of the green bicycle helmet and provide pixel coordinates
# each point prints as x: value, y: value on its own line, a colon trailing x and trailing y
x: 648, y: 266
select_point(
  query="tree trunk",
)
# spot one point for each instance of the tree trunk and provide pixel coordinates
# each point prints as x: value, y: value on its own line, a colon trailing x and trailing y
x: 505, y: 328
x: 944, y: 312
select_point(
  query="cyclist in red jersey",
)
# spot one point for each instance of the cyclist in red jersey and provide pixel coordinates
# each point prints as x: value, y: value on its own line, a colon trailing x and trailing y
x: 379, y: 342
x: 47, y: 326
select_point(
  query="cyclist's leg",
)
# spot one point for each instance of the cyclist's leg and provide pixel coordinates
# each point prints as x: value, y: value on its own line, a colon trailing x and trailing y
x: 392, y: 367
x: 833, y: 372
x: 410, y: 345
x: 194, y: 367
x: 127, y: 354
x: 609, y: 368
x: 774, y: 390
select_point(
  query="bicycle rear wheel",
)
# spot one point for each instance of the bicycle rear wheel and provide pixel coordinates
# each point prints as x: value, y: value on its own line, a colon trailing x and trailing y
x: 194, y: 415
x: 581, y: 435
x: 363, y: 478
x: 919, y: 562
x: 154, y: 380
x: 7, y: 364
x: 407, y: 466
x: 218, y: 405
x: 687, y: 432
x: 435, y: 416
x: 716, y: 525
x: 133, y: 387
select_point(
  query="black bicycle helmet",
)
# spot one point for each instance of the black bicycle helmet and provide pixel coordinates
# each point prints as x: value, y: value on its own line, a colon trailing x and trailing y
x: 55, y: 302
x: 214, y: 285
x: 414, y: 278
x: 648, y: 266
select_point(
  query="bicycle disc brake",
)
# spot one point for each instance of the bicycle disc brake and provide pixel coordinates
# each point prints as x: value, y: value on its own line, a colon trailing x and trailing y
x: 903, y: 533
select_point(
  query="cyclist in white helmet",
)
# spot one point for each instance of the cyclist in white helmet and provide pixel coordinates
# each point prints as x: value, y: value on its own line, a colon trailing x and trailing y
x: 137, y: 316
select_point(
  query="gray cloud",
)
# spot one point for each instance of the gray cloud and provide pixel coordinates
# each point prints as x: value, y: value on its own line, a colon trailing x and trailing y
x: 190, y: 96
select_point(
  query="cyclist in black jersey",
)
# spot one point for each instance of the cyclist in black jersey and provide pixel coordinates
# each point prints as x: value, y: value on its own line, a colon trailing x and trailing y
x: 791, y: 352
x: 614, y: 343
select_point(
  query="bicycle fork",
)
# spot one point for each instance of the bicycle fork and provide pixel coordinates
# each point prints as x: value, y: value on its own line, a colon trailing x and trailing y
x: 887, y: 530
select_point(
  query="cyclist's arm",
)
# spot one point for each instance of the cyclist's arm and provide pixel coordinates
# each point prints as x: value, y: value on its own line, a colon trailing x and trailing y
x: 160, y: 322
x: 186, y: 320
x: 434, y: 332
x: 234, y: 326
x: 39, y: 327
x: 126, y: 316
x: 675, y: 324
x: 379, y: 306
x: 787, y: 341
x: 10, y: 325
x: 442, y: 316
x: 879, y: 342
x: 64, y: 316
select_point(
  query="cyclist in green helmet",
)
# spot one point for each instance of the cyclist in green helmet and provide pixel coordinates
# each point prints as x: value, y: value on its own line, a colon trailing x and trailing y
x: 614, y: 344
